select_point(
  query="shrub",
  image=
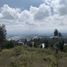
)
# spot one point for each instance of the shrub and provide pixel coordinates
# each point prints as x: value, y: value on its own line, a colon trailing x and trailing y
x: 10, y: 44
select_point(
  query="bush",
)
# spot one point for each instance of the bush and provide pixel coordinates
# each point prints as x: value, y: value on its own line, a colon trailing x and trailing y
x: 10, y: 44
x: 18, y: 50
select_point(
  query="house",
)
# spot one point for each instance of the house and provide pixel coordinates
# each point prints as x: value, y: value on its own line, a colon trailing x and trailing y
x: 42, y: 45
x: 65, y: 44
x: 20, y: 42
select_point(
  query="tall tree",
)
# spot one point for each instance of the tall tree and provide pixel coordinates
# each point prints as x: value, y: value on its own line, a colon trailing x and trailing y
x: 56, y: 33
x: 2, y: 33
x: 60, y: 35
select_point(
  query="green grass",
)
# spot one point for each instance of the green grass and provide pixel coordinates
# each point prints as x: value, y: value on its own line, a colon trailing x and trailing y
x: 22, y: 56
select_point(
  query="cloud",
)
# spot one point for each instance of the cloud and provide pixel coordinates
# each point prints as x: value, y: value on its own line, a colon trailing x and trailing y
x: 63, y: 10
x: 35, y: 19
x: 9, y: 13
x: 1, y: 15
x: 42, y: 12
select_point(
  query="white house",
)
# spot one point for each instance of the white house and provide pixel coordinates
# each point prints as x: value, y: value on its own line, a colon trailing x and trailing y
x: 43, y: 45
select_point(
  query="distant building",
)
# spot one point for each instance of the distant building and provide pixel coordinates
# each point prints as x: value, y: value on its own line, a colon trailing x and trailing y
x: 43, y: 45
x: 65, y: 44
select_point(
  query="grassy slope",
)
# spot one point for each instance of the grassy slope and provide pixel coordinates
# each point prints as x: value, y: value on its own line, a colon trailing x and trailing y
x: 31, y: 57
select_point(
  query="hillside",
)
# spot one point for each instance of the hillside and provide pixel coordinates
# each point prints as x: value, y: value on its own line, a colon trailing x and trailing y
x: 22, y: 56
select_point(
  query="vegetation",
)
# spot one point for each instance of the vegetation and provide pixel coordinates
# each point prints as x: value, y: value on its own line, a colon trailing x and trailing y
x: 23, y: 56
x: 56, y: 32
x: 31, y: 54
x: 2, y: 35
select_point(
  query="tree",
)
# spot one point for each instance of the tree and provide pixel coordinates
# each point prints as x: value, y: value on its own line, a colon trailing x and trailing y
x: 2, y: 34
x: 60, y: 35
x: 10, y: 44
x: 61, y: 46
x: 46, y: 44
x: 56, y: 33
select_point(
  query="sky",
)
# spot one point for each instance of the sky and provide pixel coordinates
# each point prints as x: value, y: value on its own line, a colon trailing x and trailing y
x: 33, y: 15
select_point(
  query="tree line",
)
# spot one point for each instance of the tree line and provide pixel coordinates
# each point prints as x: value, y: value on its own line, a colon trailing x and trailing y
x: 56, y: 42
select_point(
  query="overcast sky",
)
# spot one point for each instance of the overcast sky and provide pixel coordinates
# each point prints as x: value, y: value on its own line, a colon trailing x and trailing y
x: 33, y: 15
